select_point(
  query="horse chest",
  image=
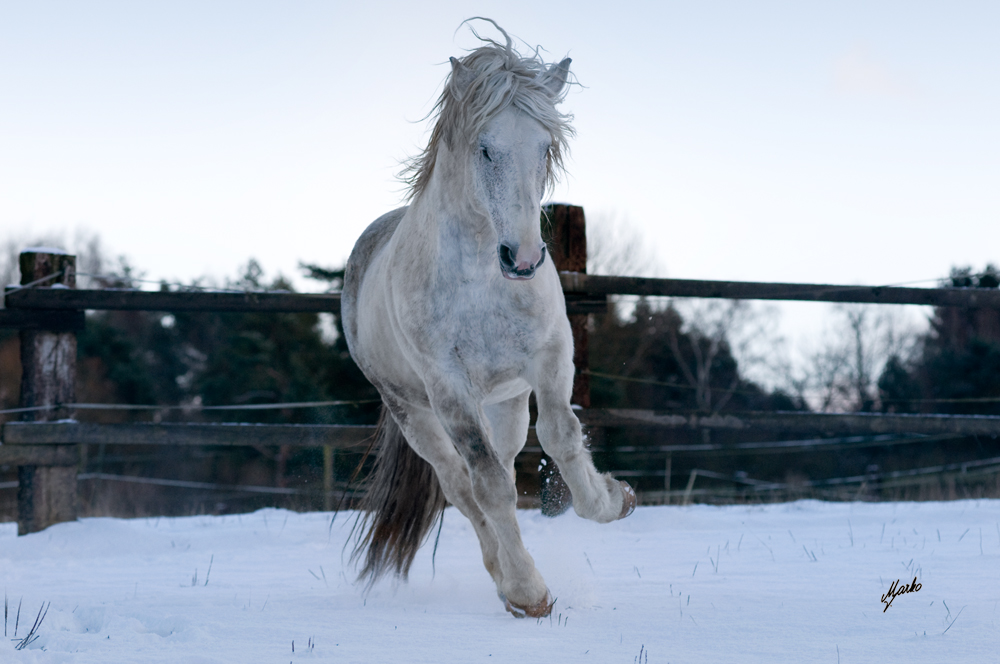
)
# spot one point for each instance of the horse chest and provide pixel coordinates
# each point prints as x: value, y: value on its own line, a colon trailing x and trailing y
x: 492, y: 333
x: 485, y: 339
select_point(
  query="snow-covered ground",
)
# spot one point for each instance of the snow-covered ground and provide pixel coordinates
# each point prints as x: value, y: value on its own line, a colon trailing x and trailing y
x: 797, y: 582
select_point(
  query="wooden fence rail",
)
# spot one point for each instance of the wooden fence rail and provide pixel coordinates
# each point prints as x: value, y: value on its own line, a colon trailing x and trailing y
x: 46, y: 308
x: 745, y: 290
x: 122, y: 299
x: 584, y: 294
x: 825, y: 423
x: 339, y: 436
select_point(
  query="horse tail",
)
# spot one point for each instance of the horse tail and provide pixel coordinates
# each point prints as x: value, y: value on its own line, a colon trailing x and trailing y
x: 402, y: 501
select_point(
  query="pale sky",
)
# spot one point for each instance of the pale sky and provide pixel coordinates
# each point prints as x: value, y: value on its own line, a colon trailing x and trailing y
x: 839, y: 142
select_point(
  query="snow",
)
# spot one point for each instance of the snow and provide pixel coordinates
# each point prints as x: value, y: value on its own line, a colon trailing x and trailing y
x: 44, y: 250
x: 789, y: 582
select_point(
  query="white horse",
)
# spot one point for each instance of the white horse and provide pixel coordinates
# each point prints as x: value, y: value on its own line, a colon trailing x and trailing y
x: 453, y: 313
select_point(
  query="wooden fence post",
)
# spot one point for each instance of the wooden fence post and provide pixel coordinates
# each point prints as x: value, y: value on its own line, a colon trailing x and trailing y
x: 46, y: 494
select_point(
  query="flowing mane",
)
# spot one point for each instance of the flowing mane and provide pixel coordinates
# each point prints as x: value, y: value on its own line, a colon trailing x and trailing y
x: 502, y: 77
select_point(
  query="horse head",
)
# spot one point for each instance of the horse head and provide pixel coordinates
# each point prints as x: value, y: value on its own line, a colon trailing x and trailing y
x: 510, y: 162
x: 497, y: 146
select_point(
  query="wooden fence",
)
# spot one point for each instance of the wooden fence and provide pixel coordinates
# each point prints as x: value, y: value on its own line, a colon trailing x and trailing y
x: 49, y: 310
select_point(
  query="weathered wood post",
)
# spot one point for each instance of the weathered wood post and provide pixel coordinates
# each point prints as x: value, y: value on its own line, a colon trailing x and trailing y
x: 46, y: 494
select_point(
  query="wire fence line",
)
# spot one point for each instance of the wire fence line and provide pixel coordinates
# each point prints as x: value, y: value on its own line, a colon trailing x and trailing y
x: 978, y: 466
x: 36, y: 282
x: 128, y: 280
x: 874, y: 480
x: 679, y: 386
x: 195, y: 407
x: 831, y: 487
x: 781, y: 446
x: 191, y: 407
x: 206, y: 486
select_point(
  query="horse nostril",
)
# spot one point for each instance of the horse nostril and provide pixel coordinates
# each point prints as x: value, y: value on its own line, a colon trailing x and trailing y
x: 507, y: 256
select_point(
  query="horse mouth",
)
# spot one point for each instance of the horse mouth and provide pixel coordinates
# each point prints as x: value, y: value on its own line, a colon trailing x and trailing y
x: 509, y: 269
x: 518, y: 275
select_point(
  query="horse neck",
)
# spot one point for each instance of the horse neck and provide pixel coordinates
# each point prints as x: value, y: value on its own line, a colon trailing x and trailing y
x: 447, y: 211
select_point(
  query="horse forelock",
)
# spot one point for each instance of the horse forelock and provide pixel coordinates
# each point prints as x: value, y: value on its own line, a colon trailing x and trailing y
x: 502, y: 78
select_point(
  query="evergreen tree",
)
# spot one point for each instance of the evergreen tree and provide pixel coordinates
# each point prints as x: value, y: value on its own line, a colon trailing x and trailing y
x: 958, y: 368
x: 652, y: 361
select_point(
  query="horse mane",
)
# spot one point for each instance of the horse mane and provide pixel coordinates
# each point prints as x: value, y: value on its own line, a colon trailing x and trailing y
x: 502, y: 78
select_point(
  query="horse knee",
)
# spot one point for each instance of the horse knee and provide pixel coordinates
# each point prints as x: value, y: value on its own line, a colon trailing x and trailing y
x: 494, y: 489
x: 560, y: 434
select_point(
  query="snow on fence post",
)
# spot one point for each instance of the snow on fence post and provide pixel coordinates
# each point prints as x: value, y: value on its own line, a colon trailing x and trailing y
x: 46, y: 494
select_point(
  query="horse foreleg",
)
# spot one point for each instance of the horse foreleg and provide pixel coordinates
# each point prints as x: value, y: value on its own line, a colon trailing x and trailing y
x: 520, y: 586
x: 423, y: 432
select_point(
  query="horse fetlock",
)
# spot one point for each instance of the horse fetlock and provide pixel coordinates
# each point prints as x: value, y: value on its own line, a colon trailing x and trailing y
x: 529, y: 594
x: 608, y: 502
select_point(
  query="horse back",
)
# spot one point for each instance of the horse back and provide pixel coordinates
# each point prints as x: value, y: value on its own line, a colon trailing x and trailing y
x: 371, y: 242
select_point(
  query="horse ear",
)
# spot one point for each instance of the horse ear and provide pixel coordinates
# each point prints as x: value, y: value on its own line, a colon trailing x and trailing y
x: 555, y: 78
x: 462, y: 75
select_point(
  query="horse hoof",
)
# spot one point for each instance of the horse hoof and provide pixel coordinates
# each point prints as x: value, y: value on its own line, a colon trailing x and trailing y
x: 540, y: 610
x: 628, y: 500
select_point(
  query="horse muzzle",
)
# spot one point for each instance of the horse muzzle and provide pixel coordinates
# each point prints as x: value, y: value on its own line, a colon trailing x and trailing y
x: 517, y: 264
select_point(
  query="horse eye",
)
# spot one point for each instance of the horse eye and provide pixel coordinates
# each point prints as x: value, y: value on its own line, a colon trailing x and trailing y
x: 486, y: 153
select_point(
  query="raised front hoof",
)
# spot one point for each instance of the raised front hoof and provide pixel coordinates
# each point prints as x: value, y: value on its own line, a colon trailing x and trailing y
x: 628, y: 499
x: 540, y: 610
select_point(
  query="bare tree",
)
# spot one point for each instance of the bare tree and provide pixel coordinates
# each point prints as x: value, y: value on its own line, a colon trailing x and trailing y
x: 842, y: 375
x: 616, y: 247
x: 747, y: 332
